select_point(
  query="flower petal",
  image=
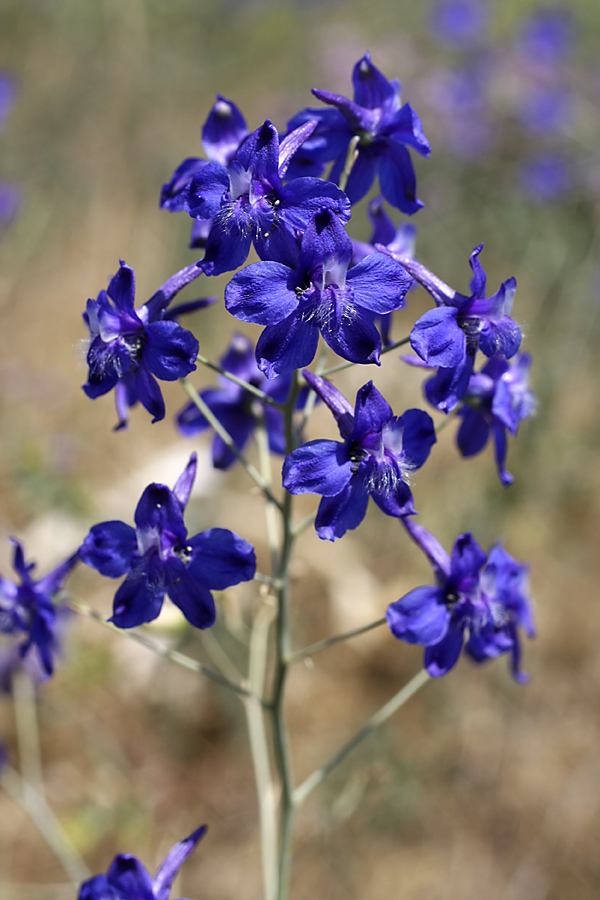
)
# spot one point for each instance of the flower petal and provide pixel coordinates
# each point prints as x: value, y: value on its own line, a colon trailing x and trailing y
x: 263, y: 293
x: 289, y: 345
x: 379, y: 283
x: 339, y: 514
x: 438, y: 339
x: 173, y: 861
x: 224, y: 130
x: 110, y: 548
x: 170, y: 351
x: 191, y: 596
x: 397, y: 177
x: 442, y: 657
x: 420, y: 617
x: 319, y: 467
x: 220, y: 558
x: 140, y: 597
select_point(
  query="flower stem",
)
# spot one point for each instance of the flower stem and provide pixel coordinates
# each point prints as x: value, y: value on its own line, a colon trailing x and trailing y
x: 204, y: 361
x: 212, y: 420
x: 351, y: 157
x: 162, y: 650
x: 329, y: 642
x: 346, y: 365
x: 381, y: 716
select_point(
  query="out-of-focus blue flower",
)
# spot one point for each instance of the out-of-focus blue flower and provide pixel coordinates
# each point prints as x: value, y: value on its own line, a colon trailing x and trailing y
x: 546, y: 110
x: 27, y: 608
x: 461, y: 103
x: 128, y: 879
x: 130, y: 348
x: 478, y: 598
x: 449, y: 336
x: 375, y: 458
x: 159, y: 558
x: 13, y: 660
x: 399, y: 241
x: 8, y: 91
x: 458, y: 22
x: 547, y: 37
x: 11, y: 200
x: 497, y: 400
x: 248, y: 202
x: 318, y: 294
x: 384, y: 128
x: 546, y: 177
x: 237, y: 409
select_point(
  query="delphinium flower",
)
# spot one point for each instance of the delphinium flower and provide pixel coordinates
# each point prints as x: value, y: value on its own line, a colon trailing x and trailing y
x: 399, y: 241
x: 28, y: 609
x: 318, y: 294
x: 248, y: 202
x: 546, y: 177
x: 222, y: 133
x: 497, y: 399
x: 159, y: 558
x: 458, y: 22
x: 546, y: 38
x: 128, y: 879
x: 375, y: 458
x: 236, y: 408
x: 384, y: 129
x: 478, y: 602
x: 12, y: 659
x: 449, y: 336
x: 130, y: 348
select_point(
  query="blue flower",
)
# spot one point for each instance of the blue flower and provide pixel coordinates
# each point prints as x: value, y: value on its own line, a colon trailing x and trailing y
x: 128, y: 879
x: 375, y: 459
x: 159, y: 558
x: 317, y: 294
x: 28, y: 608
x: 458, y: 22
x: 497, y: 399
x: 237, y: 409
x: 249, y: 204
x: 384, y: 128
x: 449, y: 336
x: 479, y: 599
x: 130, y: 348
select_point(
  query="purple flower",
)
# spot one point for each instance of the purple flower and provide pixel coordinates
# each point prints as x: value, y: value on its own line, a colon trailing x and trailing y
x: 8, y: 90
x: 449, y: 336
x: 248, y: 202
x: 547, y: 110
x: 546, y: 177
x: 375, y: 458
x: 11, y: 200
x: 237, y: 409
x: 13, y: 660
x: 400, y: 242
x: 318, y: 294
x: 384, y: 128
x: 158, y: 558
x: 128, y: 879
x: 477, y: 598
x: 547, y: 37
x: 28, y: 608
x: 130, y: 348
x: 458, y: 22
x: 497, y: 399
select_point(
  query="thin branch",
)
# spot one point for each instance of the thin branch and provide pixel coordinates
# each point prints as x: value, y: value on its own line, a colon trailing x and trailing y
x: 346, y: 365
x: 351, y: 157
x: 301, y: 527
x: 203, y: 360
x: 166, y: 652
x: 228, y: 441
x: 381, y: 716
x: 329, y: 642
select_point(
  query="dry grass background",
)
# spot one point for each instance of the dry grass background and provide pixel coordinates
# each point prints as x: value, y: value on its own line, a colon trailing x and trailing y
x: 479, y: 788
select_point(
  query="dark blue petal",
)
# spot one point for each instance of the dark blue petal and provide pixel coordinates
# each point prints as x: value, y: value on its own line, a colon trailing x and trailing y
x: 108, y: 363
x: 337, y: 515
x: 110, y: 548
x: 170, y: 351
x: 260, y: 154
x: 337, y: 403
x: 360, y: 118
x: 371, y: 88
x: 98, y: 888
x: 420, y: 617
x: 397, y: 178
x: 329, y: 140
x: 140, y: 597
x: 130, y: 878
x: 275, y: 429
x: 466, y: 560
x: 442, y: 657
x: 347, y: 328
x: 290, y: 345
x: 263, y: 293
x: 379, y: 283
x: 208, y: 191
x: 391, y: 494
x: 185, y: 482
x: 173, y: 861
x: 371, y: 413
x: 292, y: 142
x: 319, y: 467
x: 229, y: 240
x: 224, y: 130
x: 304, y: 197
x: 473, y: 433
x: 501, y: 338
x: 431, y: 547
x: 405, y: 126
x: 221, y: 558
x: 159, y: 510
x: 438, y: 339
x: 362, y: 173
x: 191, y: 596
x: 174, y: 194
x: 149, y: 394
x: 479, y: 279
x: 447, y: 388
x: 418, y: 438
x: 500, y: 447
x: 326, y: 245
x: 121, y: 289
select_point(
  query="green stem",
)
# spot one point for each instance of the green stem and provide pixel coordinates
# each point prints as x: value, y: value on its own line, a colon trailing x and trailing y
x: 301, y: 527
x: 351, y: 156
x: 228, y: 441
x: 329, y: 642
x: 381, y: 716
x: 203, y: 360
x: 162, y: 650
x: 346, y: 365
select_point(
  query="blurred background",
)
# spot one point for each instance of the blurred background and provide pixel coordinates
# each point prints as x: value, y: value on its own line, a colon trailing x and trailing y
x: 479, y: 787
